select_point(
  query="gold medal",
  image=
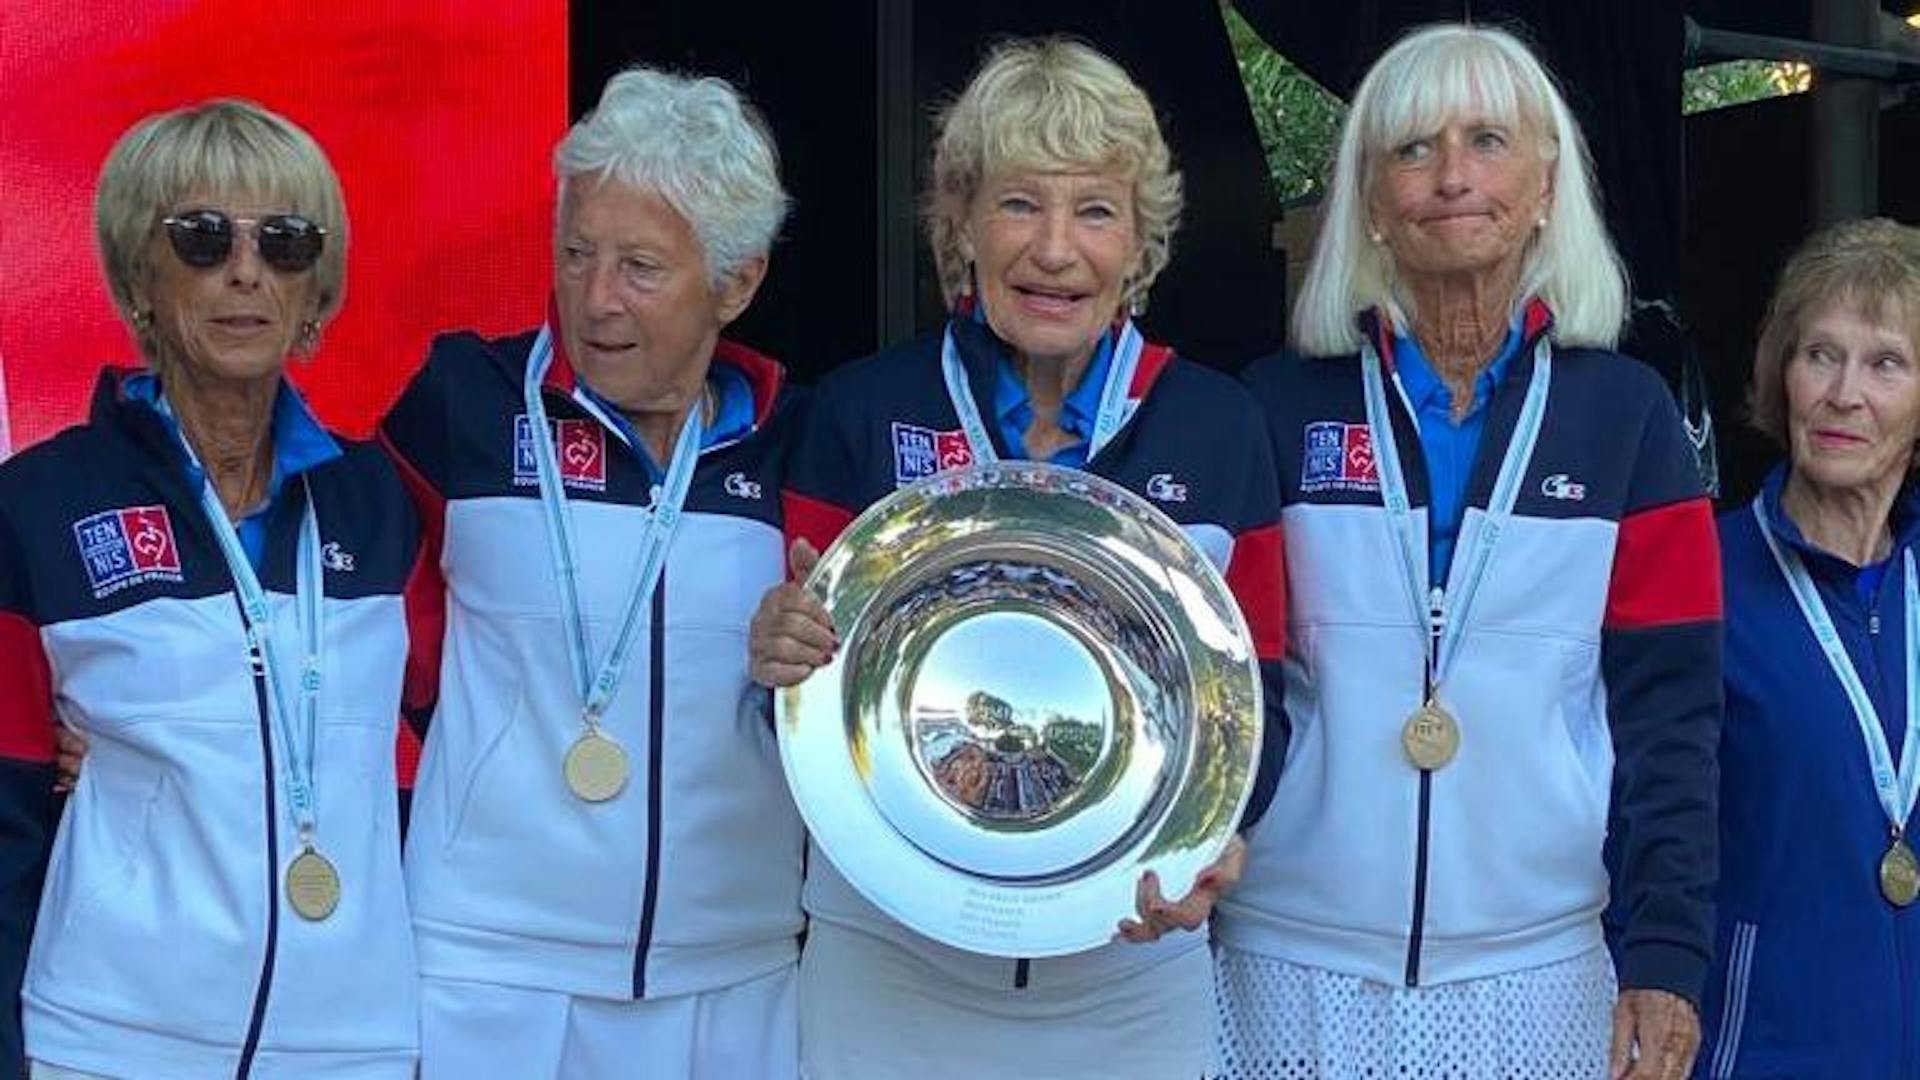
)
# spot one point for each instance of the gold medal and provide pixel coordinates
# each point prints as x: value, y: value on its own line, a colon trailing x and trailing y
x: 1430, y: 737
x: 596, y: 767
x: 1899, y: 874
x: 313, y: 885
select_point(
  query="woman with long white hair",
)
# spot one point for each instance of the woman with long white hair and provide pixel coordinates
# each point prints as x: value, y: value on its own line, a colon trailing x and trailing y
x: 1503, y: 620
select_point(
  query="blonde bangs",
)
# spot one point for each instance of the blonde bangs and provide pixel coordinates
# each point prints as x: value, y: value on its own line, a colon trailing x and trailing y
x: 240, y: 163
x: 222, y: 151
x: 1051, y: 128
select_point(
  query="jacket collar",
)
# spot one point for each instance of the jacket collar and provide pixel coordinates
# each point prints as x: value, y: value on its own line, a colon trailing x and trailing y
x: 981, y: 351
x: 1536, y: 320
x: 1904, y: 523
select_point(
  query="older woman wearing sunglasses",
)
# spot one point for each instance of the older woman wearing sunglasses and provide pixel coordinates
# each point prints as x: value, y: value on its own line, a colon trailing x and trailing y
x: 209, y: 586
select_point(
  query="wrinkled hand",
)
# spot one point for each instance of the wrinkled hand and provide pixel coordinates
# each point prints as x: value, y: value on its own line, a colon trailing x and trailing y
x: 70, y: 749
x: 791, y: 633
x: 1655, y: 1035
x: 1159, y: 915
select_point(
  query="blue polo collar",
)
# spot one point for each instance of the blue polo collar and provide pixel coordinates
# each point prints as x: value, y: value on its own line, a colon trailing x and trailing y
x: 300, y: 443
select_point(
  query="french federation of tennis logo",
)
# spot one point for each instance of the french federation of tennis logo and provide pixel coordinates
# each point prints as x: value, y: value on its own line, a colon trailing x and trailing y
x: 1339, y: 457
x: 127, y: 547
x: 922, y: 452
x: 581, y: 446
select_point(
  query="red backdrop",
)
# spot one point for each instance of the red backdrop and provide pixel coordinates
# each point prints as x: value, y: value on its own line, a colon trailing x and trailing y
x: 439, y: 116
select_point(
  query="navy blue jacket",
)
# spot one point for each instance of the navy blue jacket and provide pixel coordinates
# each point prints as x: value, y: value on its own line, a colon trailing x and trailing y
x: 1816, y: 974
x: 1192, y: 445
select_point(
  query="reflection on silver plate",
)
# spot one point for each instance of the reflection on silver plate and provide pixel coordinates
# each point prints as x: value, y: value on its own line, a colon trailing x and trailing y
x: 1044, y: 690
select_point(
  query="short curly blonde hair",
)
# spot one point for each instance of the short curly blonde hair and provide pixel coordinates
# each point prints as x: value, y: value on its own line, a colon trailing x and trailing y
x: 1871, y: 267
x: 223, y: 148
x: 1051, y: 104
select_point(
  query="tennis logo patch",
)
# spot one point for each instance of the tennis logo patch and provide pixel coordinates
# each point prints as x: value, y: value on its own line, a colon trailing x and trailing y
x: 920, y: 452
x: 1339, y: 457
x: 127, y: 547
x: 581, y: 446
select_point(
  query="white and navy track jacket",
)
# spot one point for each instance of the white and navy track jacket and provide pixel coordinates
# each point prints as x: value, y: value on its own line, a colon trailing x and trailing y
x: 1193, y: 445
x: 1590, y: 669
x: 689, y: 879
x: 165, y: 946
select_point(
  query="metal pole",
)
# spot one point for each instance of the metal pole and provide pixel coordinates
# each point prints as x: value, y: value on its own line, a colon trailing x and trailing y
x: 1846, y: 119
x: 1707, y: 44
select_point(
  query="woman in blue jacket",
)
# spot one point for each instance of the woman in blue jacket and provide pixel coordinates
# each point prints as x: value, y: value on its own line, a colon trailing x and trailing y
x: 1818, y: 969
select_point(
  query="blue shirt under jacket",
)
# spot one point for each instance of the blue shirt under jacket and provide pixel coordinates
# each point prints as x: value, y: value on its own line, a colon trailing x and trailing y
x: 1816, y: 976
x: 299, y: 444
x: 732, y: 415
x: 1449, y: 446
x: 1013, y: 408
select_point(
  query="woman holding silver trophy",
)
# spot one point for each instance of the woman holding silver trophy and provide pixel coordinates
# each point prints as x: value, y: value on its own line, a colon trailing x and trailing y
x: 1505, y: 615
x: 1052, y: 205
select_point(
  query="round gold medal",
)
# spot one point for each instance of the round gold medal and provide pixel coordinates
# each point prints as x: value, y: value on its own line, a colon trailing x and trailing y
x: 313, y: 885
x: 1430, y: 737
x: 596, y: 767
x: 1899, y: 875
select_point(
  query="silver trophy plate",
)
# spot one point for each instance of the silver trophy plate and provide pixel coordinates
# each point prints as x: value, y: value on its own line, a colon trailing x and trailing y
x: 1043, y: 691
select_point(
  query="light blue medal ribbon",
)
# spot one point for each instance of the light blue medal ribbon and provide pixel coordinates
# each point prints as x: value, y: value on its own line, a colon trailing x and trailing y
x: 1447, y: 623
x: 295, y: 709
x: 1107, y: 422
x: 1897, y: 788
x: 597, y: 688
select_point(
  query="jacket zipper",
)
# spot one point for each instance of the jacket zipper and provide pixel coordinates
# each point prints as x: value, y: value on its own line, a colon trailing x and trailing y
x: 656, y: 707
x: 1437, y: 612
x: 265, y: 984
x: 1419, y: 882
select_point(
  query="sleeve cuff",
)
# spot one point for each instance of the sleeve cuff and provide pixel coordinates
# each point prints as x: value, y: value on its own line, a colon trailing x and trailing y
x: 1660, y: 965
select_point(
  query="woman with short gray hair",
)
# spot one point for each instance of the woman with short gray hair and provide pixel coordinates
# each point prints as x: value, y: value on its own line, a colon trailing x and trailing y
x: 604, y: 863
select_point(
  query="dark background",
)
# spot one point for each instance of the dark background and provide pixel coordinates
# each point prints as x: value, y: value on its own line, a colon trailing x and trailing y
x: 1704, y: 208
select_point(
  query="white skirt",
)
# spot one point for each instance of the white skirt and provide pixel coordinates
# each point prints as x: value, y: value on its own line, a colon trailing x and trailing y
x: 1285, y: 1021
x: 873, y: 1010
x: 470, y: 1029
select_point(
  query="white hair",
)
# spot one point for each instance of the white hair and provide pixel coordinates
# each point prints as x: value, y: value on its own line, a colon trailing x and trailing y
x: 1433, y: 76
x: 694, y: 142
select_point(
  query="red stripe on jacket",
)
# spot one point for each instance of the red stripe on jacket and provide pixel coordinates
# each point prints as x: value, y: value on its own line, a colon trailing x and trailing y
x: 26, y: 705
x: 426, y: 607
x: 1666, y: 568
x: 1153, y: 361
x: 1257, y: 576
x: 816, y: 521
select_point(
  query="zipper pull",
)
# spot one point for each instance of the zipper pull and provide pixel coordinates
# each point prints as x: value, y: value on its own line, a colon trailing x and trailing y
x: 256, y: 651
x: 1437, y: 612
x: 1873, y: 622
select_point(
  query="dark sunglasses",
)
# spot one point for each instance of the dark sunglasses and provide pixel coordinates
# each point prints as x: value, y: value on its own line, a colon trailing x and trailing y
x: 204, y: 239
